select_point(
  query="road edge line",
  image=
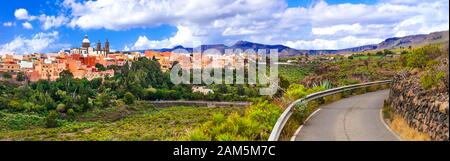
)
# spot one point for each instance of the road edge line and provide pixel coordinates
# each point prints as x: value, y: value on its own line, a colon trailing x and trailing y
x: 301, y: 126
x: 387, y: 126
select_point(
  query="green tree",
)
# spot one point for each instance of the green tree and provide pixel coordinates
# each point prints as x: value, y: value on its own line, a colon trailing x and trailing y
x: 66, y: 74
x: 20, y: 76
x: 387, y: 52
x: 100, y: 67
x: 103, y: 100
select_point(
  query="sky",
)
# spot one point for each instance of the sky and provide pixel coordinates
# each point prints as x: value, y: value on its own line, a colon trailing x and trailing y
x: 28, y: 26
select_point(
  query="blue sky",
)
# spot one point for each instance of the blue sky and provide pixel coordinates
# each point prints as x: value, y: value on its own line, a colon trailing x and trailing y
x: 28, y: 26
x: 70, y: 37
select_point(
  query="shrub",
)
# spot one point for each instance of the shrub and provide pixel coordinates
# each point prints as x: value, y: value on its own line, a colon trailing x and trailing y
x: 15, y: 105
x: 255, y: 124
x: 71, y: 113
x: 419, y: 58
x: 51, y: 119
x: 3, y: 103
x: 218, y: 118
x: 129, y: 98
x: 431, y: 79
x: 295, y: 91
x: 149, y: 92
x: 198, y: 135
x: 19, y: 121
x: 28, y: 106
x: 20, y: 76
x: 61, y: 108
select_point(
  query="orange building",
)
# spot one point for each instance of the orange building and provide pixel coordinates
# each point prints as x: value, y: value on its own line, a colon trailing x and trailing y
x: 149, y: 54
x: 9, y: 67
x: 49, y: 70
x: 90, y: 61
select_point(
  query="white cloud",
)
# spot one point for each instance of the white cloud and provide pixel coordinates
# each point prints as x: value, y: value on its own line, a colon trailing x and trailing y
x: 27, y: 25
x: 144, y: 43
x: 337, y: 28
x: 22, y: 14
x: 38, y: 43
x: 9, y: 24
x: 264, y: 21
x: 320, y: 25
x: 409, y: 2
x: 49, y: 22
x: 183, y: 37
x: 126, y: 48
x: 342, y: 43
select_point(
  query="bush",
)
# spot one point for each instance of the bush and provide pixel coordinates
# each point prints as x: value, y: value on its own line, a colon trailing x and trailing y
x: 15, y: 105
x: 20, y: 76
x: 71, y: 113
x: 431, y: 79
x: 61, y: 108
x: 129, y: 98
x: 295, y: 91
x: 19, y: 121
x: 198, y: 135
x: 419, y: 58
x: 255, y: 124
x: 3, y: 103
x: 51, y: 119
x: 149, y: 92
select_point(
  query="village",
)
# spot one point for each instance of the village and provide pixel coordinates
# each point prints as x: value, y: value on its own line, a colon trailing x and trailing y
x: 88, y: 62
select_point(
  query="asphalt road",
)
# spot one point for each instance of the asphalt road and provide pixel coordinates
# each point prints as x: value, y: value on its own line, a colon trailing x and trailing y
x: 356, y: 118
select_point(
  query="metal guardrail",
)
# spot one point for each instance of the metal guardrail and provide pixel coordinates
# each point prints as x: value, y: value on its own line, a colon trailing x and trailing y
x: 279, y: 125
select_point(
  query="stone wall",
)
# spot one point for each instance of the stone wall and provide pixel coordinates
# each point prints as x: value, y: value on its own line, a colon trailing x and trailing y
x: 424, y: 110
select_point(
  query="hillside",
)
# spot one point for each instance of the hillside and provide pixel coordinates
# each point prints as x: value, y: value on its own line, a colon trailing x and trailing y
x: 285, y: 51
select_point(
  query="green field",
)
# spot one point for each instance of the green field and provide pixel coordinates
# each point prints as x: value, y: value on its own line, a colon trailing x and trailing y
x: 292, y: 73
x: 365, y: 57
x: 143, y: 124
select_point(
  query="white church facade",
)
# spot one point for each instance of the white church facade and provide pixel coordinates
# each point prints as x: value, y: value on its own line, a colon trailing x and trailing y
x: 86, y: 49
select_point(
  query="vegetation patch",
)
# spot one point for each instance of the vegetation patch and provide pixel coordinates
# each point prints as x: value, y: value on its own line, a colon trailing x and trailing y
x: 401, y: 127
x: 292, y: 73
x: 255, y: 123
x: 163, y: 124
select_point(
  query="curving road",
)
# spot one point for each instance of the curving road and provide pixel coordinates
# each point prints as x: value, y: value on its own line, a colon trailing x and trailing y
x: 356, y: 118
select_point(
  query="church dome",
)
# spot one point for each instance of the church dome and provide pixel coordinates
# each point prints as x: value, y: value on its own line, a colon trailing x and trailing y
x: 86, y: 40
x: 86, y: 43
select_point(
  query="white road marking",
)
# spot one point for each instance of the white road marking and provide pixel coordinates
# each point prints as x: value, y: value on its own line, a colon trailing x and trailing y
x: 387, y: 126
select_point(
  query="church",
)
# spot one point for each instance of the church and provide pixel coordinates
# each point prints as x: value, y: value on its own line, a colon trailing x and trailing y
x: 86, y: 49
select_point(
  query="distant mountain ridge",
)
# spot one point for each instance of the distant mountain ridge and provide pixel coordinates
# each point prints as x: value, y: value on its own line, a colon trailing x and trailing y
x: 390, y: 43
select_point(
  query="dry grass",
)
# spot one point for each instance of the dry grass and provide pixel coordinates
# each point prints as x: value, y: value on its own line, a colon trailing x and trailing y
x: 401, y: 127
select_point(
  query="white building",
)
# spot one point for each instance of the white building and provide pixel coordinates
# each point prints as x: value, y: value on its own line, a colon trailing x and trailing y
x: 26, y: 64
x: 87, y: 50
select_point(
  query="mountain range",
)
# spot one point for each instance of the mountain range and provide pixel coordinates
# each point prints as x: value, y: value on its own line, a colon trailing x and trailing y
x: 390, y: 43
